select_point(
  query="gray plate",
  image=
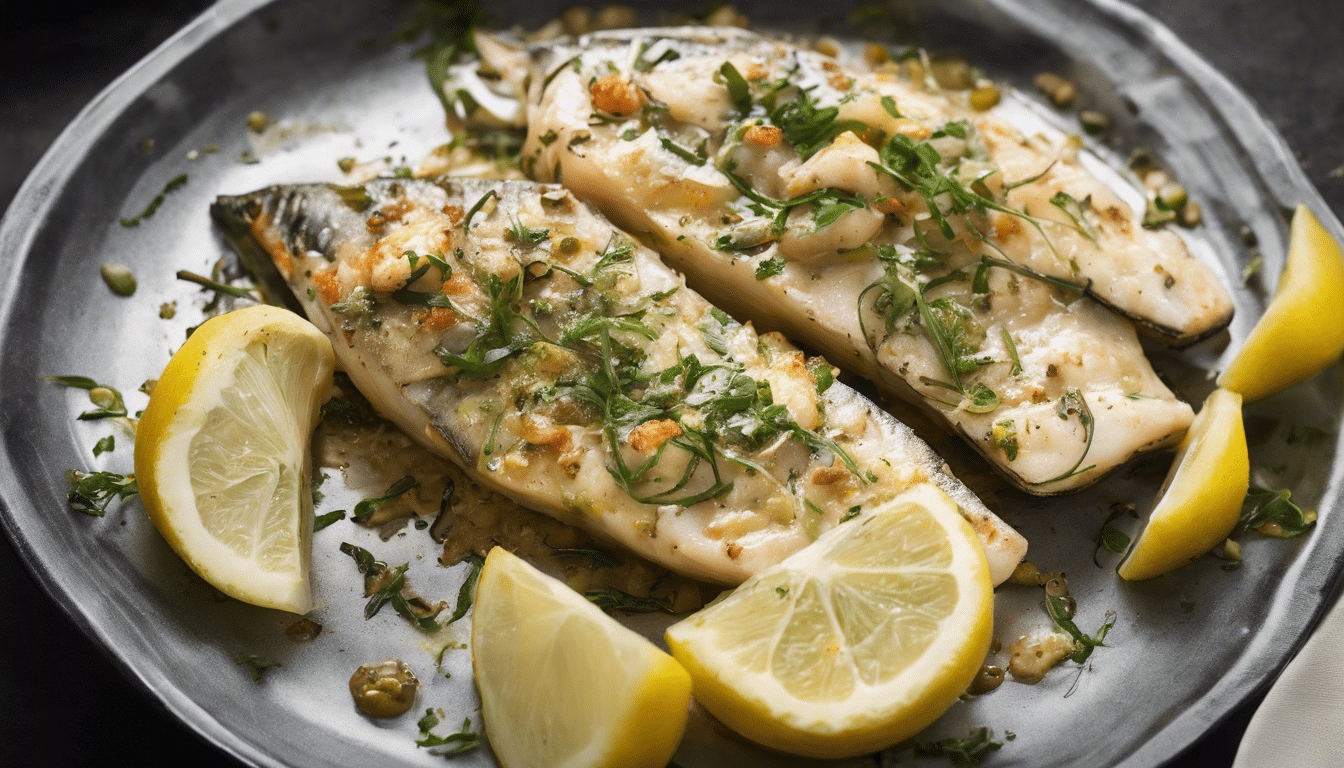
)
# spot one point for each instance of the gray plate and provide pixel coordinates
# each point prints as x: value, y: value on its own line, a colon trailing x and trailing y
x: 1187, y: 648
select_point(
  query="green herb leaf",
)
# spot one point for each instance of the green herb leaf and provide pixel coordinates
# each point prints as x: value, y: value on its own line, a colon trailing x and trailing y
x: 108, y: 399
x: 365, y: 509
x: 612, y: 599
x: 1016, y: 370
x: 682, y: 152
x: 172, y: 186
x: 216, y: 286
x: 1274, y: 514
x: 92, y: 492
x: 957, y: 129
x: 104, y: 445
x: 1072, y: 403
x: 1005, y: 438
x: 1113, y: 539
x: 476, y: 207
x: 467, y: 592
x: 770, y: 267
x: 644, y: 65
x: 738, y: 90
x: 324, y: 520
x: 1062, y: 614
x: 972, y: 750
x: 600, y: 558
x: 889, y: 104
x: 460, y: 743
x: 1074, y: 210
x: 525, y: 236
x: 256, y: 664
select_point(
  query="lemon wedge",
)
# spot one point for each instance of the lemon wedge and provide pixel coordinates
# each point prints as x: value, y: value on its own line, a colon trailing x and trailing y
x: 562, y: 684
x: 221, y: 452
x: 854, y: 643
x: 1200, y: 501
x: 1300, y: 333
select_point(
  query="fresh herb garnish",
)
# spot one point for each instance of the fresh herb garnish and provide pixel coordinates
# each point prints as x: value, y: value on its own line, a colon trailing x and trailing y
x: 694, y: 158
x: 104, y: 445
x: 108, y: 399
x: 1070, y: 404
x: 383, y: 585
x: 1274, y: 514
x: 476, y: 207
x: 460, y: 743
x: 256, y: 664
x: 467, y: 592
x: 1005, y: 438
x: 644, y: 65
x: 324, y: 520
x: 172, y: 186
x: 1061, y: 612
x: 600, y: 558
x: 526, y: 236
x: 808, y: 129
x: 1074, y: 210
x: 770, y: 267
x: 738, y: 90
x: 1016, y: 370
x: 215, y: 285
x: 971, y: 751
x: 365, y: 509
x: 92, y: 492
x: 612, y: 599
x: 1112, y: 539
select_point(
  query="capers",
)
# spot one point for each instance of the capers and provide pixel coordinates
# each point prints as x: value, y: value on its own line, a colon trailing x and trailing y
x: 987, y: 679
x: 569, y: 246
x: 386, y: 689
x: 119, y: 278
x: 258, y: 121
x: 985, y: 97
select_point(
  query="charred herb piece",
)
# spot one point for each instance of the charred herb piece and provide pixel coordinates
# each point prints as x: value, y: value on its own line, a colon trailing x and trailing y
x: 467, y: 592
x: 612, y: 599
x: 972, y: 750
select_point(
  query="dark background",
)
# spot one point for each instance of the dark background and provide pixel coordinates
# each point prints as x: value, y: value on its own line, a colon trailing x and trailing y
x: 64, y: 702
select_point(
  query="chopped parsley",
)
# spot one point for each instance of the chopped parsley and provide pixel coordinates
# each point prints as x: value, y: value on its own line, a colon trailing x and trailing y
x: 256, y: 664
x: 172, y: 186
x: 107, y: 399
x: 92, y: 492
x: 460, y: 743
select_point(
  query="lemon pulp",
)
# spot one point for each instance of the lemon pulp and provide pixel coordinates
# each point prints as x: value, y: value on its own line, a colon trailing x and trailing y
x: 221, y: 453
x: 857, y: 642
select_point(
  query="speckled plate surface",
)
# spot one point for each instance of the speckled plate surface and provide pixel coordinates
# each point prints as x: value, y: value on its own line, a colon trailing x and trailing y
x: 1186, y: 647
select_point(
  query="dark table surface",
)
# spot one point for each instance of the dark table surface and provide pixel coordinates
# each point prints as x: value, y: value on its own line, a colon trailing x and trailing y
x: 64, y: 702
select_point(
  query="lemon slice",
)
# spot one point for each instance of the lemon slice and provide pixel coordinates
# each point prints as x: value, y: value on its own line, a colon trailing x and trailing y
x: 854, y: 643
x: 1300, y: 333
x: 562, y: 684
x: 221, y: 452
x: 1200, y: 501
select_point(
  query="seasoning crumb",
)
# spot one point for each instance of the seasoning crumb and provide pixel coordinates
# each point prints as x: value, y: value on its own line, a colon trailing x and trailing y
x: 346, y: 164
x: 168, y: 310
x: 1061, y: 92
x: 303, y: 630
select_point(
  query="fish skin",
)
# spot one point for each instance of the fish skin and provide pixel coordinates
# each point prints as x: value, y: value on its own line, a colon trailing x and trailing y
x: 342, y: 253
x: 1067, y: 342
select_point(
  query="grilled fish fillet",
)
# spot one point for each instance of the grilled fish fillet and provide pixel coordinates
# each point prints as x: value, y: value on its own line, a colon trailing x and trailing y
x: 871, y: 220
x: 514, y: 330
